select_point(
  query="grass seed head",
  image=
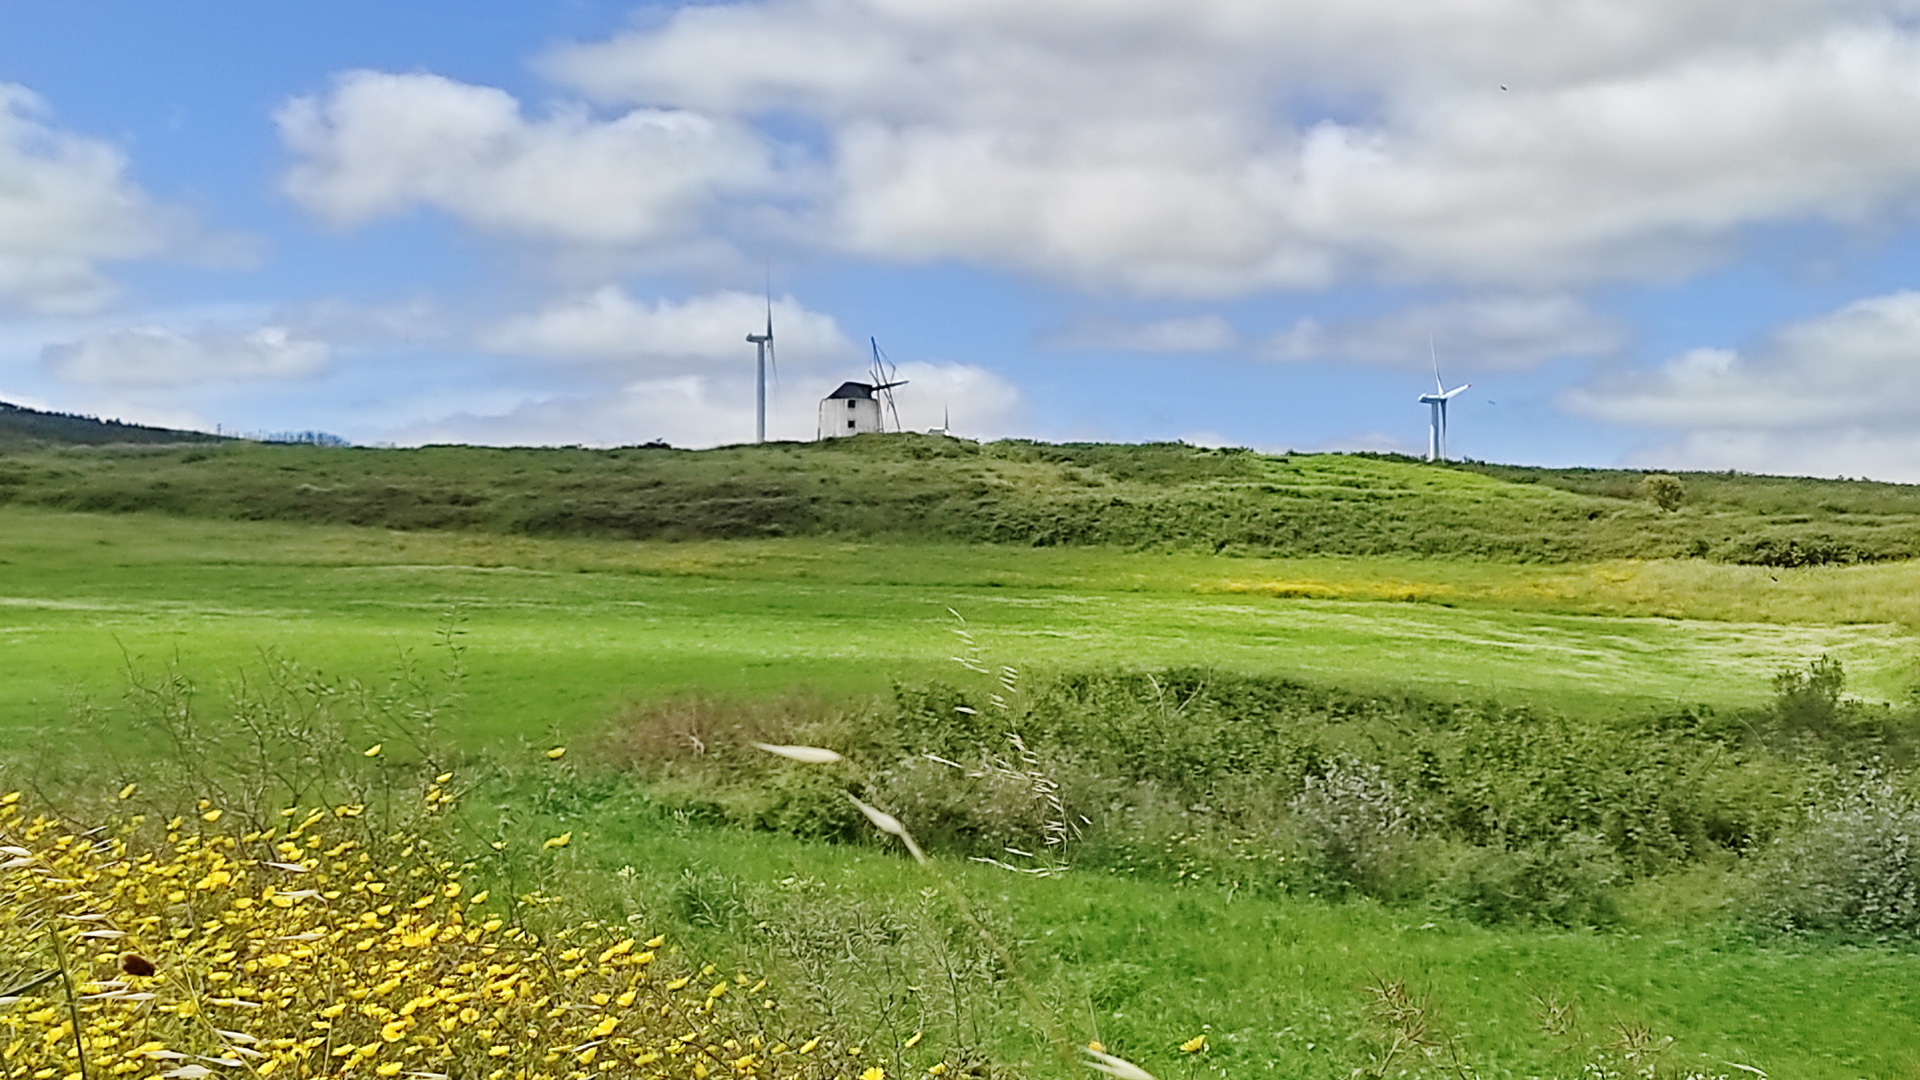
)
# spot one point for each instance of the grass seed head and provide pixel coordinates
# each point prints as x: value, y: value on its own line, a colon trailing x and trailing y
x: 806, y: 755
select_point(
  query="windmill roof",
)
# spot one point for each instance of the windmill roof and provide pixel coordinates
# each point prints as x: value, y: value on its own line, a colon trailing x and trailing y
x: 852, y: 390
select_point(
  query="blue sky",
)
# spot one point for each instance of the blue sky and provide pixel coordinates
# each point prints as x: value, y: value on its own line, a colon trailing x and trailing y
x: 1653, y: 233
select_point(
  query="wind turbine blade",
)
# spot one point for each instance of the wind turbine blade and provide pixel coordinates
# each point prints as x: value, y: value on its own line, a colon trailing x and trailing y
x: 1434, y: 354
x: 1456, y: 390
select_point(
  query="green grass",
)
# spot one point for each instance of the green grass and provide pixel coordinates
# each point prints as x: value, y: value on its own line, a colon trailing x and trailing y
x: 1276, y: 981
x: 591, y: 584
x: 564, y: 634
x: 1156, y: 497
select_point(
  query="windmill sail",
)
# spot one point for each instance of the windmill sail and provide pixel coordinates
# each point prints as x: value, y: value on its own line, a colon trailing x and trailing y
x: 884, y: 381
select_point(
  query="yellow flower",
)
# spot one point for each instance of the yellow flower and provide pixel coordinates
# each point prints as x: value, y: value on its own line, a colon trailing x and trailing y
x: 586, y: 1056
x: 556, y: 753
x: 1194, y: 1045
x: 210, y: 816
x: 915, y: 1041
x: 562, y: 840
x: 391, y: 1068
x: 1096, y: 1046
x: 605, y: 1027
x: 938, y: 1068
x: 374, y: 750
x: 874, y: 1072
x: 443, y: 778
x: 127, y: 792
x: 479, y: 897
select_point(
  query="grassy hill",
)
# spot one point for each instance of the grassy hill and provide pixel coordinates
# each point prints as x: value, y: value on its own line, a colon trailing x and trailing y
x: 1426, y: 725
x: 1163, y: 496
x: 23, y: 428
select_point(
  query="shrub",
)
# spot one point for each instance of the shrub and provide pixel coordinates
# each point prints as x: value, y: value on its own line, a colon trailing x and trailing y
x: 1569, y: 881
x: 1853, y: 870
x: 1358, y: 827
x: 1809, y: 700
x: 1664, y: 490
x: 1003, y: 804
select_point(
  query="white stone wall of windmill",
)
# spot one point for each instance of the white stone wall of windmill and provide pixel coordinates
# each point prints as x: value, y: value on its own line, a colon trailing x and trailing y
x: 850, y: 410
x: 857, y: 408
x: 1436, y: 402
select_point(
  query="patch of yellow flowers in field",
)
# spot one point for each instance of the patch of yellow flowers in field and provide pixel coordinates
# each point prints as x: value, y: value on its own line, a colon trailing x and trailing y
x: 315, y: 948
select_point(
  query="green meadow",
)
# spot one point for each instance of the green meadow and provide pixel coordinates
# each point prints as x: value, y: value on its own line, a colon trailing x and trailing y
x: 563, y: 633
x: 1550, y: 636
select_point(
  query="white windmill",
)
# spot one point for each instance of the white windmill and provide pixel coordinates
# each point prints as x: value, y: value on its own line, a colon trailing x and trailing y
x: 765, y: 343
x: 854, y: 408
x: 1437, y: 401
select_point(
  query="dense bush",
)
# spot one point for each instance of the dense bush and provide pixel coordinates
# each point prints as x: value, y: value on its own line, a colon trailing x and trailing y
x: 1357, y: 826
x: 1854, y: 869
x: 1501, y: 813
x: 1568, y: 880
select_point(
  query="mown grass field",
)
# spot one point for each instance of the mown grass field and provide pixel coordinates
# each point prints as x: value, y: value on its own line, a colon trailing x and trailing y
x: 564, y: 633
x: 571, y: 627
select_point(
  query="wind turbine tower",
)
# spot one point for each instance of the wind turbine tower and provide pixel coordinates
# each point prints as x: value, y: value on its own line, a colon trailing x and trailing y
x: 1437, y: 402
x: 765, y: 343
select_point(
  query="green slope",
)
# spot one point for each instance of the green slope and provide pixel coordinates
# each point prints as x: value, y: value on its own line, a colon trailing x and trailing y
x: 23, y: 428
x: 1155, y: 496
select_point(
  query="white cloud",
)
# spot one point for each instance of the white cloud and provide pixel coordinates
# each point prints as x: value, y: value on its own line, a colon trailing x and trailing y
x: 974, y: 402
x: 711, y: 410
x: 1880, y: 455
x: 380, y: 144
x: 1188, y: 334
x: 1495, y: 333
x: 1201, y: 147
x: 66, y: 207
x: 608, y: 327
x: 158, y: 357
x: 1839, y: 394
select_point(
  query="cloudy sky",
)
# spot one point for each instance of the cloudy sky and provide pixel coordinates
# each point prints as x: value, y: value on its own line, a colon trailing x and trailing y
x: 1678, y: 233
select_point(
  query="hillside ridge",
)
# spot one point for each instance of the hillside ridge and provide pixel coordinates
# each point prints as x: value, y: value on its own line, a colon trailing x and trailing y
x: 928, y: 487
x: 22, y: 427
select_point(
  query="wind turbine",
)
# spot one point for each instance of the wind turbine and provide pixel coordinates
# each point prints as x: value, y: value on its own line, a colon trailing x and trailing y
x: 884, y: 382
x: 765, y: 343
x: 1437, y: 401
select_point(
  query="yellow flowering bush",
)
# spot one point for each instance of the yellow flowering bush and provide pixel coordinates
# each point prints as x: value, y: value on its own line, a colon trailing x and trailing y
x: 316, y: 948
